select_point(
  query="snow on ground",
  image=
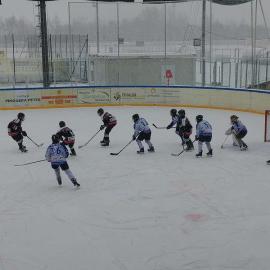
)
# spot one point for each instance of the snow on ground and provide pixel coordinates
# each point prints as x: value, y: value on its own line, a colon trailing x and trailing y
x: 135, y: 212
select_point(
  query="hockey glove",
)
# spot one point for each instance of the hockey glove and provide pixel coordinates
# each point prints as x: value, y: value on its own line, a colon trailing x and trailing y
x: 133, y: 137
x: 24, y: 133
x: 196, y: 138
x: 102, y: 127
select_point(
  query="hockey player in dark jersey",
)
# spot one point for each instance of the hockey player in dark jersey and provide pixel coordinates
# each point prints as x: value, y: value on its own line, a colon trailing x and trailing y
x: 184, y: 129
x: 67, y: 136
x: 109, y: 122
x: 15, y: 131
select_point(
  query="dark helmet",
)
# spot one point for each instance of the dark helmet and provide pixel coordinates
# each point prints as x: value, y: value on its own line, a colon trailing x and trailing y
x: 135, y: 117
x: 62, y: 124
x: 100, y: 111
x: 234, y: 118
x: 21, y: 116
x: 173, y: 112
x: 199, y: 118
x: 55, y: 138
x: 182, y: 113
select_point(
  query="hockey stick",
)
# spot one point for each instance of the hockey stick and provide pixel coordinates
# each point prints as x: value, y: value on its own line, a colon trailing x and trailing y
x: 38, y: 145
x: 30, y: 162
x: 83, y: 145
x: 160, y: 127
x: 116, y: 154
x: 222, y: 146
x: 178, y: 154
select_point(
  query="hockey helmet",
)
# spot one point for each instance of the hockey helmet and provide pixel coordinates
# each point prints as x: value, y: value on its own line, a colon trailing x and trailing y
x: 62, y: 124
x: 173, y: 112
x: 182, y: 113
x: 21, y: 116
x: 135, y: 117
x: 55, y: 138
x: 199, y: 118
x: 100, y: 111
x: 234, y: 118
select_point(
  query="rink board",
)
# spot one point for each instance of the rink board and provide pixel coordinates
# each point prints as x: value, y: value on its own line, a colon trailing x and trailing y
x: 249, y: 100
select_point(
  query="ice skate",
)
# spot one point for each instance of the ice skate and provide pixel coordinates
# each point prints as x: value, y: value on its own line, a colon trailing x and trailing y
x: 75, y: 183
x: 23, y: 149
x: 73, y: 153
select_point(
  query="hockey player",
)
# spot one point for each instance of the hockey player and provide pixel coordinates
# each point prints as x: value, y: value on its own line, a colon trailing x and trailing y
x: 203, y: 134
x: 56, y: 154
x: 238, y: 132
x: 67, y: 136
x: 184, y: 128
x: 142, y: 132
x: 173, y: 113
x: 109, y: 121
x: 15, y: 131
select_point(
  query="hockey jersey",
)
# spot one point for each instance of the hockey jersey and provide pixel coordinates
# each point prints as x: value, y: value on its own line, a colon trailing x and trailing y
x: 66, y: 135
x: 173, y: 122
x: 15, y: 127
x: 56, y: 153
x: 108, y: 119
x: 203, y: 128
x: 238, y: 127
x: 141, y: 126
x: 183, y: 125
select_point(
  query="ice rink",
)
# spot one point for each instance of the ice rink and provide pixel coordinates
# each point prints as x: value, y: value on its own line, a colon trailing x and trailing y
x: 135, y: 212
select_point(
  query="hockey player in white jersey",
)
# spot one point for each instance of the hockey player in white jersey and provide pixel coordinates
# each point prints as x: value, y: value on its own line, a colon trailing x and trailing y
x: 142, y: 132
x: 238, y: 132
x: 173, y: 114
x: 203, y: 134
x: 56, y: 154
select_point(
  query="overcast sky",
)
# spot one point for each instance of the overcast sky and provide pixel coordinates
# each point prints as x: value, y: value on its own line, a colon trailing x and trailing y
x: 25, y: 9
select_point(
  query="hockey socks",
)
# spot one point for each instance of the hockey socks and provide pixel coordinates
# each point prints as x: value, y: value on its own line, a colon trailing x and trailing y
x: 72, y: 177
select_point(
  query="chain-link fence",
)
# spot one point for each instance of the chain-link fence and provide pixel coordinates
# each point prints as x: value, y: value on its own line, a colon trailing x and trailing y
x: 106, y: 51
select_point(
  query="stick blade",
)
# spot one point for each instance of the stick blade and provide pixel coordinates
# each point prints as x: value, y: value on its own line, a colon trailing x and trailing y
x: 114, y: 154
x: 40, y: 144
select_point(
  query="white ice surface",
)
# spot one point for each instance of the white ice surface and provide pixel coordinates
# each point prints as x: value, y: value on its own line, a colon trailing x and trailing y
x: 135, y: 212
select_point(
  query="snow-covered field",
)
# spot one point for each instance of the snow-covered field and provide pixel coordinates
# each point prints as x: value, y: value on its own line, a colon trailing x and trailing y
x: 135, y: 212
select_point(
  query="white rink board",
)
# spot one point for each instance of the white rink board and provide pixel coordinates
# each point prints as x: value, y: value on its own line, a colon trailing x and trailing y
x: 147, y: 212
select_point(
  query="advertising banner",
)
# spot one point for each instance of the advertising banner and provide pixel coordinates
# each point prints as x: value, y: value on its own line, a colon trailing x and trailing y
x: 20, y: 98
x: 58, y: 97
x: 94, y: 95
x: 127, y: 95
